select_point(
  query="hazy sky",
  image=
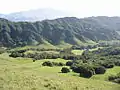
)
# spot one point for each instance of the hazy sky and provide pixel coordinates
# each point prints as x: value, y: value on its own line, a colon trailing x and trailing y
x: 80, y: 8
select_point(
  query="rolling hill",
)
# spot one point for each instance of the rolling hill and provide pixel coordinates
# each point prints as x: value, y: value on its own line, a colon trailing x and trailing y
x: 23, y: 74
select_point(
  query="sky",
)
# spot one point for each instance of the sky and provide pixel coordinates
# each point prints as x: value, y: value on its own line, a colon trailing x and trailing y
x: 81, y: 8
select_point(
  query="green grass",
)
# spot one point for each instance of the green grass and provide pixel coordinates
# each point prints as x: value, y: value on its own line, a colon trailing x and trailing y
x: 109, y: 72
x: 95, y: 48
x: 64, y: 45
x: 23, y: 74
x: 45, y: 45
x: 77, y: 52
x: 33, y: 52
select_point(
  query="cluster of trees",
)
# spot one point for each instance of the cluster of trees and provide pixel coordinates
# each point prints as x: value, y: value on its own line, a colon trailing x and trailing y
x: 83, y: 47
x: 38, y: 56
x: 16, y: 54
x: 107, y: 57
x: 108, y: 51
x: 87, y: 70
x: 84, y: 69
x: 65, y: 70
x: 115, y: 78
x: 35, y: 49
x: 69, y: 63
x: 64, y: 54
x: 51, y: 64
x: 96, y: 62
x: 107, y: 65
x: 87, y: 64
x: 43, y: 49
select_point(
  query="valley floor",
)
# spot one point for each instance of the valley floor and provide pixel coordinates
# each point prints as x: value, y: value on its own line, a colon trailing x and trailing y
x: 23, y: 74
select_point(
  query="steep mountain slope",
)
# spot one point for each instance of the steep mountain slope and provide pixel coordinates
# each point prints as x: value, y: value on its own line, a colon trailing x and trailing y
x: 69, y: 30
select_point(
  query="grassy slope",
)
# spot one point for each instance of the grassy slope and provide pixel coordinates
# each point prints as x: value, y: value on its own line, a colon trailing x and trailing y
x: 79, y: 52
x: 109, y: 72
x: 47, y: 45
x: 20, y: 74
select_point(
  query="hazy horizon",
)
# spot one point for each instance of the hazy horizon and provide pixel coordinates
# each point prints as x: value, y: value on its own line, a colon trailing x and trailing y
x: 78, y: 8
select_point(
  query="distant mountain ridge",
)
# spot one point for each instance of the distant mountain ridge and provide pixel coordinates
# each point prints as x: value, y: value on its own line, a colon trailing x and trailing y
x: 69, y: 30
x: 35, y: 15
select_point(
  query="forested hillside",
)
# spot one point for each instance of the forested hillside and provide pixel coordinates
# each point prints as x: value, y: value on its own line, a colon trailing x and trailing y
x: 69, y: 30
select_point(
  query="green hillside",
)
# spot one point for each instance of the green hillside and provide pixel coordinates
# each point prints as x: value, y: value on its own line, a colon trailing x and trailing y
x: 59, y: 32
x: 23, y: 74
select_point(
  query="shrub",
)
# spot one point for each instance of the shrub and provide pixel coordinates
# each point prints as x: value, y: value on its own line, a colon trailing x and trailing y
x: 85, y: 70
x: 48, y: 63
x: 16, y: 54
x: 81, y: 68
x: 107, y: 65
x: 76, y: 69
x: 111, y: 78
x: 117, y: 63
x: 21, y: 51
x: 115, y: 79
x: 55, y: 63
x: 86, y: 73
x: 65, y: 70
x: 111, y: 66
x: 61, y: 64
x: 34, y: 60
x: 100, y: 70
x: 69, y: 63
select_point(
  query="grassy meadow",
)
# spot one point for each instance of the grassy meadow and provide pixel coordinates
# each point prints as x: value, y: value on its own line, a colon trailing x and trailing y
x: 23, y: 74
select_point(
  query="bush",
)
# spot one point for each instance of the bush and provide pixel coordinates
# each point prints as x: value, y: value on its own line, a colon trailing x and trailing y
x: 55, y: 63
x: 16, y: 54
x: 100, y: 70
x: 86, y: 73
x: 81, y: 68
x: 69, y: 63
x: 34, y: 60
x: 48, y: 63
x: 61, y: 64
x: 58, y: 64
x: 111, y: 66
x: 107, y: 65
x: 115, y: 78
x: 65, y: 70
x: 76, y: 69
x: 117, y: 63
